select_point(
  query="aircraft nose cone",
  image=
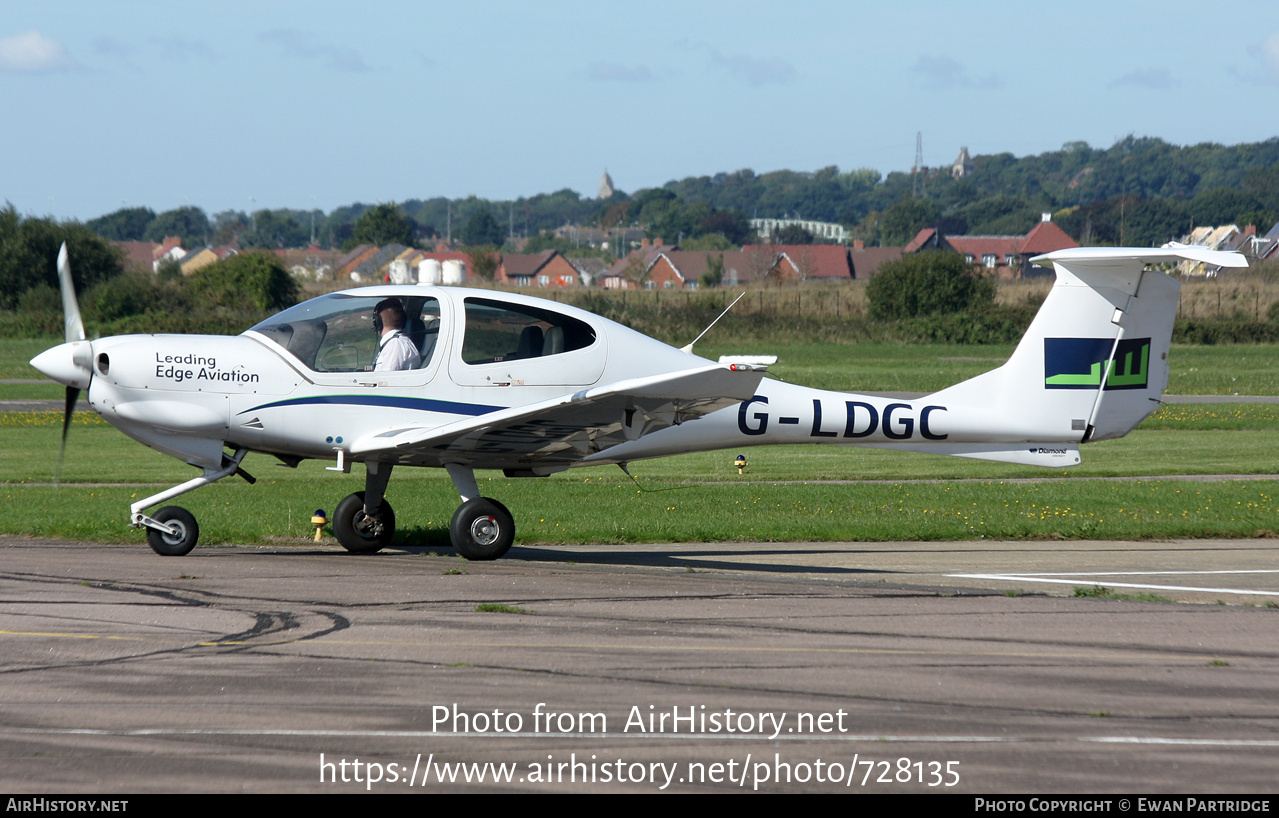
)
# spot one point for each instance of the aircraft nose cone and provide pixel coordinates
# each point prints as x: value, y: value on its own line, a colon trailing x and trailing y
x: 68, y: 364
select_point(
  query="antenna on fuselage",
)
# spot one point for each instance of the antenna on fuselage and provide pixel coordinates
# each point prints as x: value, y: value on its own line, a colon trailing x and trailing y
x: 689, y: 348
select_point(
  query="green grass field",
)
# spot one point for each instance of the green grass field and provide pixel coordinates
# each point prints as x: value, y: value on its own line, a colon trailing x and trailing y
x: 692, y: 498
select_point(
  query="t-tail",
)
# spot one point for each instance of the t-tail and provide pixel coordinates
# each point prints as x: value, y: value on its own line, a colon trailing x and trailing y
x: 1094, y: 362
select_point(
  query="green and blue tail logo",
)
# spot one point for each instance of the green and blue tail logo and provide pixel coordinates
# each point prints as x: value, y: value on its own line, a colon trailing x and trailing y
x: 1086, y: 363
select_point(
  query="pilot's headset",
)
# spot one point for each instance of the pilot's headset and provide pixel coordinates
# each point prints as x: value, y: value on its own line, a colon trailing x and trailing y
x: 385, y: 304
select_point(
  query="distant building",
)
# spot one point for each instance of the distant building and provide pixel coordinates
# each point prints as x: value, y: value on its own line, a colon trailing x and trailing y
x: 826, y: 232
x: 139, y: 256
x: 545, y: 269
x: 667, y: 268
x: 355, y: 257
x: 628, y: 273
x: 1262, y: 247
x: 1006, y: 256
x: 963, y: 164
x: 866, y: 260
x: 606, y: 186
x: 1225, y: 237
x: 805, y: 262
x: 197, y: 260
x: 170, y: 248
x: 590, y: 270
x: 442, y: 260
x: 374, y: 267
x: 600, y: 238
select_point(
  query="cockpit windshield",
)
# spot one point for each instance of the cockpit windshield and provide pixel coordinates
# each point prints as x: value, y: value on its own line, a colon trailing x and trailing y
x: 335, y: 333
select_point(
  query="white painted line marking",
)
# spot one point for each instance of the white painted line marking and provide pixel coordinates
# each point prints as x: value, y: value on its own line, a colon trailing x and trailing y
x: 1148, y: 587
x: 1138, y: 573
x: 1180, y: 741
x: 140, y: 733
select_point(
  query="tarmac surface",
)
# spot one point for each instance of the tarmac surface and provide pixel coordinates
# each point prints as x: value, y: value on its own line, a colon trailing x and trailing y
x: 889, y: 667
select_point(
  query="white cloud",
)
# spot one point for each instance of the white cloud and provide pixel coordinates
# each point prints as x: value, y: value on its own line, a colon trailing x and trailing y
x: 943, y: 73
x: 1151, y: 79
x: 755, y: 71
x: 612, y: 72
x: 180, y: 49
x: 1270, y: 57
x: 300, y: 44
x: 34, y: 53
x: 1263, y: 63
x: 111, y: 47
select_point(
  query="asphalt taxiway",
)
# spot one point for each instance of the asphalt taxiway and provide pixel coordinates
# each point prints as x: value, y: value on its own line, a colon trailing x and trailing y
x: 887, y: 667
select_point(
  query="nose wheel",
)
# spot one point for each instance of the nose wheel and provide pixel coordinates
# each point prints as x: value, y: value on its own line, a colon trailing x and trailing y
x: 482, y: 529
x: 185, y: 532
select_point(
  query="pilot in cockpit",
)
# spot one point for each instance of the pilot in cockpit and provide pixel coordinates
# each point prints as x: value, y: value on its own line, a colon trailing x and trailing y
x: 396, y: 351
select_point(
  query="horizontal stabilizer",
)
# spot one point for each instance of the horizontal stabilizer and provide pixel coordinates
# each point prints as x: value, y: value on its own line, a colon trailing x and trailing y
x: 750, y: 361
x: 1128, y: 256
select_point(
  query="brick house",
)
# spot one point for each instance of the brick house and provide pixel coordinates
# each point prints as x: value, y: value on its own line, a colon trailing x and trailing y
x: 1006, y: 256
x: 545, y: 269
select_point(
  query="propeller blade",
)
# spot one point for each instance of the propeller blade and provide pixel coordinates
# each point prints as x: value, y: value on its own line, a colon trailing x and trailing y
x: 73, y: 326
x: 70, y: 307
x: 73, y: 394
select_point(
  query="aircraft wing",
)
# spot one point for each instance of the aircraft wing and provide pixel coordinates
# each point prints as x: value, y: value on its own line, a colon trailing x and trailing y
x: 554, y: 434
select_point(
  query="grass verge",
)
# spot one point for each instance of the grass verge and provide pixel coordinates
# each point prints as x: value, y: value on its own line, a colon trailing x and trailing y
x: 1102, y: 592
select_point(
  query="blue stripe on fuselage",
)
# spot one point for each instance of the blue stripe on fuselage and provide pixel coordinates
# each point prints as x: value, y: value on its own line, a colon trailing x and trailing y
x: 387, y: 401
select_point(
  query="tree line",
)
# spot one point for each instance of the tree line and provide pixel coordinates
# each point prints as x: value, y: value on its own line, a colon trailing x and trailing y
x: 1140, y: 191
x: 224, y: 297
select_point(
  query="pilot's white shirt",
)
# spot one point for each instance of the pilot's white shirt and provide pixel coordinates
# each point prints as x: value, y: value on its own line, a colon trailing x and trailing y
x: 395, y: 352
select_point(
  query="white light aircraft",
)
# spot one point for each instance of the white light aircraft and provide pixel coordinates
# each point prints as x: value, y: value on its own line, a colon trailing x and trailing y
x: 533, y: 387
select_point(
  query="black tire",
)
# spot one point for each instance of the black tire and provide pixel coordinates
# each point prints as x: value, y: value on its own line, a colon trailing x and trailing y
x: 174, y: 545
x: 359, y: 533
x: 482, y: 529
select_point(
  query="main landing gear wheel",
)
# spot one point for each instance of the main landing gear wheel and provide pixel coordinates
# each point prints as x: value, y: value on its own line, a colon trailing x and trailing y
x: 358, y: 532
x: 482, y: 529
x: 179, y: 543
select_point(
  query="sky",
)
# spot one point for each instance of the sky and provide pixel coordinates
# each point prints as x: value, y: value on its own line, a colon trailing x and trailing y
x: 247, y: 105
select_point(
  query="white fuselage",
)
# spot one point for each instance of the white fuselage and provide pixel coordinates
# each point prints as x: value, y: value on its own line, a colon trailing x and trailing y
x: 190, y: 396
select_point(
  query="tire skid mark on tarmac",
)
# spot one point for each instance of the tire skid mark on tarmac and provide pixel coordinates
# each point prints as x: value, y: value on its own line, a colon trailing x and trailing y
x: 273, y: 623
x: 277, y: 623
x: 270, y: 627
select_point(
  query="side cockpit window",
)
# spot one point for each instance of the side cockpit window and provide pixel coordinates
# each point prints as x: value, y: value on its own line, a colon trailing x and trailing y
x: 335, y: 333
x: 501, y: 331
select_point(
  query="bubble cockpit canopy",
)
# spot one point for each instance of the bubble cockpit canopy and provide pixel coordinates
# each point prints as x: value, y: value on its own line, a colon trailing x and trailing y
x: 335, y: 333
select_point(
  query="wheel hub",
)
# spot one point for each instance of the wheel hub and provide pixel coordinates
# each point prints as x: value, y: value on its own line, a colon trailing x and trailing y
x: 484, y: 530
x: 370, y: 527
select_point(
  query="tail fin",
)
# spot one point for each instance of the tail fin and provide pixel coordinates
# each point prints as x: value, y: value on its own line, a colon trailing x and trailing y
x: 1094, y: 362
